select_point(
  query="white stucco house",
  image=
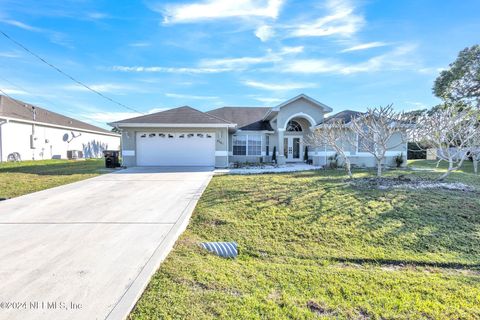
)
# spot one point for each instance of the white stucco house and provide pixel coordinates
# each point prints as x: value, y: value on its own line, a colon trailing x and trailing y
x: 185, y: 136
x: 29, y: 132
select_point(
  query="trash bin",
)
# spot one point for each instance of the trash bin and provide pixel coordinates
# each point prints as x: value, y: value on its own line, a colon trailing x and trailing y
x: 112, y: 158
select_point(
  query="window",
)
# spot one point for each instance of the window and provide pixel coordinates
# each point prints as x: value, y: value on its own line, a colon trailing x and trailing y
x: 143, y: 136
x: 199, y: 135
x: 247, y: 145
x: 171, y: 135
x: 190, y: 135
x: 294, y: 126
x: 254, y: 145
x: 239, y: 145
x: 161, y: 135
x: 182, y: 135
x: 209, y: 136
x: 151, y: 135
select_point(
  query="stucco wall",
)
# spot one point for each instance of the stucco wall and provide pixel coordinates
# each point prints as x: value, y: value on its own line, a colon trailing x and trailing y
x: 52, y: 142
x: 129, y: 143
x: 300, y: 106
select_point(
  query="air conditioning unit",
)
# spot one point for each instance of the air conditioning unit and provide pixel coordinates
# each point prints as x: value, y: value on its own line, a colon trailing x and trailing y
x: 74, y: 154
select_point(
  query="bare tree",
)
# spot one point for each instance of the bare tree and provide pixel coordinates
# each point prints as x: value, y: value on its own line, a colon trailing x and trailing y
x: 337, y: 136
x: 376, y: 130
x: 451, y: 132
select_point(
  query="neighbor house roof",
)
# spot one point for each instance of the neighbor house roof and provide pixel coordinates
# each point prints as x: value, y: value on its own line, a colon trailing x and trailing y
x: 176, y: 116
x: 343, y: 116
x: 19, y: 110
x: 246, y: 118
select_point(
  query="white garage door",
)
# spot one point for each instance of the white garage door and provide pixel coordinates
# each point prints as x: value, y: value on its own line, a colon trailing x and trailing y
x: 175, y: 149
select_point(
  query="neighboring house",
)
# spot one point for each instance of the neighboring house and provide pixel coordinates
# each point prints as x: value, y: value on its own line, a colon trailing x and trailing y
x: 187, y: 137
x: 33, y: 133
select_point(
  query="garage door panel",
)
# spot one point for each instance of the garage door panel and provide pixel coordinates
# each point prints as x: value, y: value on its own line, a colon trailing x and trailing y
x: 175, y: 149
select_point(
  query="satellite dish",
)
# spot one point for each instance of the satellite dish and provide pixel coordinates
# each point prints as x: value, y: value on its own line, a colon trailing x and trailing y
x: 65, y: 137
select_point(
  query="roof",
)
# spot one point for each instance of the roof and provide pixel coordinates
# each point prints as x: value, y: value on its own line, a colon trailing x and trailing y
x: 19, y: 110
x: 181, y: 115
x: 246, y: 118
x: 343, y: 116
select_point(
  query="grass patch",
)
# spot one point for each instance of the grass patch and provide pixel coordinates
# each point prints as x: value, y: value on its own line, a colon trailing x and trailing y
x: 313, y: 246
x: 19, y: 178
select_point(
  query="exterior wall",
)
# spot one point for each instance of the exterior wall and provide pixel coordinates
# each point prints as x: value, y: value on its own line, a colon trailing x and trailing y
x: 300, y: 106
x: 129, y: 143
x: 52, y: 142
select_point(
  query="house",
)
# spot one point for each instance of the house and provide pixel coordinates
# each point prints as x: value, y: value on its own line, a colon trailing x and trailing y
x: 188, y: 137
x: 29, y: 132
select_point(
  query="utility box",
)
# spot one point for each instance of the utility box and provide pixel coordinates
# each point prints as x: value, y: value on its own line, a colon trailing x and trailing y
x: 112, y: 158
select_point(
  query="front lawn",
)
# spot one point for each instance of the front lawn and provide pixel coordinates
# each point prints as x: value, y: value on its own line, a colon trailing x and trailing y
x: 18, y: 178
x: 312, y: 245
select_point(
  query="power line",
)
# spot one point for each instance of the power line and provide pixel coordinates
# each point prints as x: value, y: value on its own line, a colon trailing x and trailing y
x: 66, y: 74
x: 35, y: 95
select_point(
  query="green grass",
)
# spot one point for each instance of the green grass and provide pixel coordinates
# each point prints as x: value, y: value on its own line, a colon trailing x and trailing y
x: 467, y: 166
x: 311, y: 246
x: 19, y: 178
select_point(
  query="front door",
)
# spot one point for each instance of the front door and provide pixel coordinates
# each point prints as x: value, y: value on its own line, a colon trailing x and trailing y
x: 292, y: 148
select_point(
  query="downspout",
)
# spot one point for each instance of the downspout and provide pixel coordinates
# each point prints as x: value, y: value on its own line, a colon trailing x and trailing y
x: 228, y: 149
x: 2, y: 122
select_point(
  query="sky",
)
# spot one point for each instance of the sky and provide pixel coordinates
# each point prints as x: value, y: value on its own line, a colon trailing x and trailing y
x: 153, y: 55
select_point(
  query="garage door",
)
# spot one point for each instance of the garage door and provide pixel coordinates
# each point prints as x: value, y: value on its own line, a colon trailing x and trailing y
x: 175, y: 149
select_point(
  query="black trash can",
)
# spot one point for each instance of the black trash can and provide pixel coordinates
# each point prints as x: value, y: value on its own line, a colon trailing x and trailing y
x: 112, y: 158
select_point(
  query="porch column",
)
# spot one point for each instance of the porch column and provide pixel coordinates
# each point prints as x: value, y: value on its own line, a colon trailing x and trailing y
x: 280, y: 155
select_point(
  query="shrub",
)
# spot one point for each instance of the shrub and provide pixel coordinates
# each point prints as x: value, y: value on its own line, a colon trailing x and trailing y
x: 399, y: 160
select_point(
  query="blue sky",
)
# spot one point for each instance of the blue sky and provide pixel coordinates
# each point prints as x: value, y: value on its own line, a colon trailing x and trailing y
x: 152, y: 55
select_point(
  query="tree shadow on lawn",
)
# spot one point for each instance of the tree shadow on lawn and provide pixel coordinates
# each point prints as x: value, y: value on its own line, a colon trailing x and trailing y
x: 406, y: 262
x: 437, y: 222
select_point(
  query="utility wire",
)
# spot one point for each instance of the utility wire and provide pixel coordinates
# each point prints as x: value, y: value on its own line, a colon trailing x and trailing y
x: 50, y: 102
x: 66, y: 74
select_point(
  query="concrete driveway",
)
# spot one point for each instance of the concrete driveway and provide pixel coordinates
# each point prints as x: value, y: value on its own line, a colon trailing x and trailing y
x: 87, y: 250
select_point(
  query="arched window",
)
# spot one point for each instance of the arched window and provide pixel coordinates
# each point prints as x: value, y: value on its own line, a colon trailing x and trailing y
x: 294, y: 126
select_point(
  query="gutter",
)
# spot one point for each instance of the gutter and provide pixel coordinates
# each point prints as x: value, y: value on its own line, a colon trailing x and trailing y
x: 46, y: 124
x: 172, y: 125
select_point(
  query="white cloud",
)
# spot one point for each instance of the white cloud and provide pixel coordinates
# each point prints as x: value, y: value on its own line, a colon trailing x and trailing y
x: 97, y: 15
x: 218, y: 65
x: 139, y: 44
x: 11, y: 91
x: 218, y: 9
x: 190, y: 97
x: 396, y: 59
x: 269, y: 100
x: 7, y: 54
x: 278, y: 86
x: 105, y: 117
x: 104, y: 87
x: 21, y: 25
x: 365, y: 46
x: 341, y: 20
x: 264, y: 33
x: 157, y: 69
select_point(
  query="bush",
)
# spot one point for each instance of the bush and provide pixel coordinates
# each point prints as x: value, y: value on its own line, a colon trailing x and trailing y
x: 416, y: 151
x: 399, y: 160
x: 333, y: 161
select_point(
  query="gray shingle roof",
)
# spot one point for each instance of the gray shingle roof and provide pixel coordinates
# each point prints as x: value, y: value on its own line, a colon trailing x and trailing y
x: 17, y: 109
x: 181, y: 115
x: 246, y: 118
x: 343, y: 116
